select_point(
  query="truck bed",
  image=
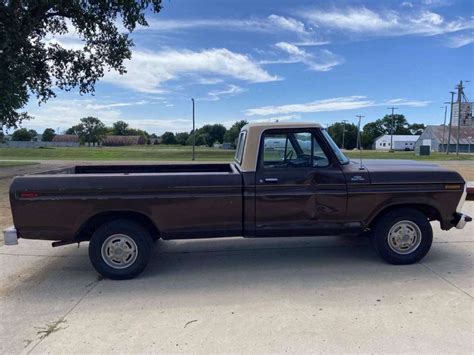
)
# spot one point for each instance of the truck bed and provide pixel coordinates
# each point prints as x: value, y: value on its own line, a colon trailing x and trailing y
x: 145, y: 169
x: 179, y: 199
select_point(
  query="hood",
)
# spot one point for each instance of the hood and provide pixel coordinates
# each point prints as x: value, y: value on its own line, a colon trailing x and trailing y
x: 387, y: 171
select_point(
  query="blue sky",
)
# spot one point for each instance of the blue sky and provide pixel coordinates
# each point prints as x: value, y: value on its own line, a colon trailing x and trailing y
x: 321, y: 61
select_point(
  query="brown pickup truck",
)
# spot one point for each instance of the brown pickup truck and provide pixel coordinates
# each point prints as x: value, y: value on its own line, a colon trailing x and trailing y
x: 287, y: 180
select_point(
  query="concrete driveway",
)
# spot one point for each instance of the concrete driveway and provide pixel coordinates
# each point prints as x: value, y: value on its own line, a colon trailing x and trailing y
x: 248, y: 296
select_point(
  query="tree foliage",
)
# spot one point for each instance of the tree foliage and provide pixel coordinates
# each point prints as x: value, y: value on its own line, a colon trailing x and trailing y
x: 22, y: 135
x: 211, y: 134
x: 32, y: 63
x: 399, y: 125
x: 350, y: 135
x: 91, y: 130
x: 48, y: 135
x: 182, y: 138
x: 120, y: 128
x: 231, y: 135
x: 168, y: 138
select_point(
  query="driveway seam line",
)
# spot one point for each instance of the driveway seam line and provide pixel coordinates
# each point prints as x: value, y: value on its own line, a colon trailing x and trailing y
x: 63, y: 318
x: 446, y: 280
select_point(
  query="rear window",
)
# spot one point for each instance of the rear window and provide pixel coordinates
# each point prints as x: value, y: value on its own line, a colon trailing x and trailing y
x: 239, y: 152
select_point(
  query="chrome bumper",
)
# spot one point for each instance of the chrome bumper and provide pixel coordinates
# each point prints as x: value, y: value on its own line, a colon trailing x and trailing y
x: 461, y: 220
x: 10, y: 236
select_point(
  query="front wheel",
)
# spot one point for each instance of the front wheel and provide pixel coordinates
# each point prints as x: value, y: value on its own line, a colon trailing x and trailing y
x: 120, y: 249
x: 402, y: 236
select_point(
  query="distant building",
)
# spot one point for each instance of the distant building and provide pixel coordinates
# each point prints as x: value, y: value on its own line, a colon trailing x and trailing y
x: 123, y: 140
x: 466, y: 114
x: 400, y: 142
x: 433, y: 136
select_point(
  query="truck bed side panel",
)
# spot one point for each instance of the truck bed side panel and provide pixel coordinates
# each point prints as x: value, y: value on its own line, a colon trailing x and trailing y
x: 180, y: 205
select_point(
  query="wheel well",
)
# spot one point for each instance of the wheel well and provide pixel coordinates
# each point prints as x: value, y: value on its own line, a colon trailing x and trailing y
x: 429, y: 211
x: 88, y: 228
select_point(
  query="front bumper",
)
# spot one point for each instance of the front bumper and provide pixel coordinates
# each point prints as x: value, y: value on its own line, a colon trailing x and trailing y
x: 460, y: 220
x: 10, y: 236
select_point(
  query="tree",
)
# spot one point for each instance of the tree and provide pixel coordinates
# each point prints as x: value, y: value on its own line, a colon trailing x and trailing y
x: 120, y: 128
x: 76, y: 130
x: 200, y: 139
x: 182, y: 137
x: 168, y: 138
x: 211, y: 133
x: 33, y: 134
x: 94, y: 130
x: 398, y: 123
x: 233, y: 133
x: 369, y: 133
x: 48, y: 135
x: 350, y: 135
x: 31, y: 64
x: 22, y: 135
x: 384, y: 125
x: 416, y: 128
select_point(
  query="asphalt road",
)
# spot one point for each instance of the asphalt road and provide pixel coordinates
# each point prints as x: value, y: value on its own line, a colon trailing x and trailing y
x: 236, y: 295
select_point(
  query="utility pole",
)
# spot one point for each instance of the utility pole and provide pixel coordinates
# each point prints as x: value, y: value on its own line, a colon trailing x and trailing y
x: 444, y: 125
x: 460, y: 93
x: 469, y: 141
x: 450, y: 122
x: 361, y: 167
x: 391, y: 130
x: 194, y: 132
x: 358, y: 144
x: 343, y: 132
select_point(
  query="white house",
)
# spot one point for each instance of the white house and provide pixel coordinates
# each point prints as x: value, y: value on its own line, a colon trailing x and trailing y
x: 400, y: 142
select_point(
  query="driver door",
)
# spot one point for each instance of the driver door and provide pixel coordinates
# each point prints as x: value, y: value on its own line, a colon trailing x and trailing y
x: 300, y: 190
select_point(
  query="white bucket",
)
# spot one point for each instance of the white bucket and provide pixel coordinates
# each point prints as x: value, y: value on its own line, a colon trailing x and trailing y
x: 10, y: 236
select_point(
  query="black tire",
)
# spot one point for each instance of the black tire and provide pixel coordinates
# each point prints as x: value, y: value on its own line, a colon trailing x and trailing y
x: 416, y: 223
x: 137, y: 246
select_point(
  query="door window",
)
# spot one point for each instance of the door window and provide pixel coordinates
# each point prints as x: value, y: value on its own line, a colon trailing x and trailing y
x: 292, y: 150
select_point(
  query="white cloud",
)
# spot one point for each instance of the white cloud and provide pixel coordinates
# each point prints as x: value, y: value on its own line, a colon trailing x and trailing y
x: 147, y: 71
x: 268, y: 24
x: 291, y: 49
x: 94, y: 106
x: 460, y: 40
x: 328, y: 105
x: 407, y: 4
x: 64, y: 113
x: 320, y: 60
x: 287, y: 23
x: 362, y: 20
x: 230, y: 90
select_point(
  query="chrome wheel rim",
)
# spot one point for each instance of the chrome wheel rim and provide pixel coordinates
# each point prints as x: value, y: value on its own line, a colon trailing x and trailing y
x: 404, y: 237
x: 119, y: 251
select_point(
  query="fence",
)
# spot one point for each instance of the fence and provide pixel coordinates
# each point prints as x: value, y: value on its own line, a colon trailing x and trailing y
x: 20, y: 144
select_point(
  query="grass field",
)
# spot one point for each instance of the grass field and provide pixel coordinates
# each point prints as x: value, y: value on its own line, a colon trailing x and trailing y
x: 9, y: 164
x: 179, y: 153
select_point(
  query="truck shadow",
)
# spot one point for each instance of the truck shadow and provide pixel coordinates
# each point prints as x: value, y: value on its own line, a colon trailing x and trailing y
x: 190, y: 267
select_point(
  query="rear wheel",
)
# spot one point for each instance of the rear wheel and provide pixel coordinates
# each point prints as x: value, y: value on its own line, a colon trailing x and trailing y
x: 120, y: 249
x: 402, y: 236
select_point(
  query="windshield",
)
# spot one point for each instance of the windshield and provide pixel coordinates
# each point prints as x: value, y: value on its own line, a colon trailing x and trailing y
x: 340, y: 156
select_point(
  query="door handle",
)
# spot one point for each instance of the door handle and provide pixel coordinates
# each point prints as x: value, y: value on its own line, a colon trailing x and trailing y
x: 271, y: 179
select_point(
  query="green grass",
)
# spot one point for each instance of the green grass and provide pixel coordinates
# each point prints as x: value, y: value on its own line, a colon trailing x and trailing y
x: 153, y: 153
x: 174, y: 153
x: 8, y: 164
x: 371, y: 154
